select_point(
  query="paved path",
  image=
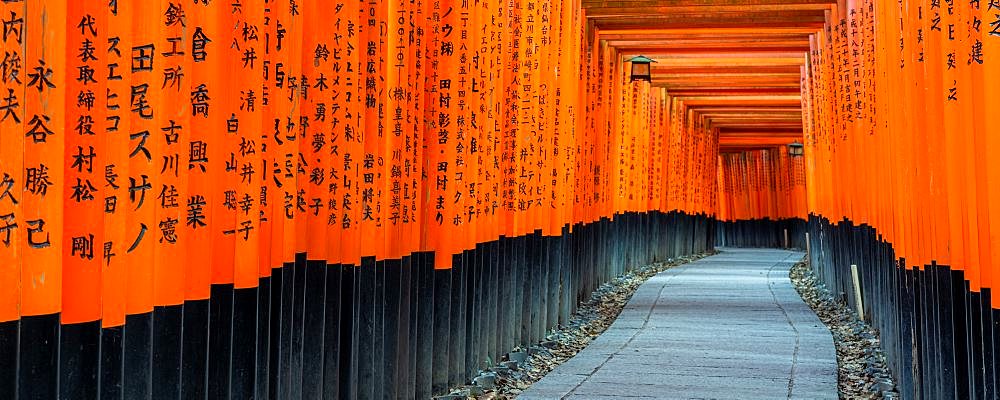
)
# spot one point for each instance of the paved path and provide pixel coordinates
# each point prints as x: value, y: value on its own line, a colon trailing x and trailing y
x: 730, y: 326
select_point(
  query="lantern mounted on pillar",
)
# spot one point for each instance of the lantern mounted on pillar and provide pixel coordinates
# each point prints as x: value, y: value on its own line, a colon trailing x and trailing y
x: 640, y: 68
x: 796, y: 149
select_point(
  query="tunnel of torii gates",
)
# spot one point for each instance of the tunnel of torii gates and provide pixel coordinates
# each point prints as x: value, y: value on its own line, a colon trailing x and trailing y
x: 375, y: 199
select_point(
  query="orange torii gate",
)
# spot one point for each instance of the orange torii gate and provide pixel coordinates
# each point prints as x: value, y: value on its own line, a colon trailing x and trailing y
x: 294, y: 198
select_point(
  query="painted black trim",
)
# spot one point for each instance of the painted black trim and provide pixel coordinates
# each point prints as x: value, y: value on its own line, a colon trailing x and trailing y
x: 384, y: 329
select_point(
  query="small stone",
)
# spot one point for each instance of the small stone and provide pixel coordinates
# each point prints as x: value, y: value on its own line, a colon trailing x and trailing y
x: 487, y: 380
x: 510, y: 365
x: 517, y: 356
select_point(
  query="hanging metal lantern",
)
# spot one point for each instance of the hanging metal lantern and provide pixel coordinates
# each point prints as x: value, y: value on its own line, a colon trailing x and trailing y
x: 640, y: 68
x: 796, y: 149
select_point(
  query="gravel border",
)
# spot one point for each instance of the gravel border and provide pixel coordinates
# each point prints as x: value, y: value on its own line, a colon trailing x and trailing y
x: 861, y: 368
x: 523, y: 367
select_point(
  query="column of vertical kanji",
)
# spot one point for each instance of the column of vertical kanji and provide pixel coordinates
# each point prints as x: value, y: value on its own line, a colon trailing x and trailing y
x: 575, y: 126
x: 305, y: 31
x: 509, y: 116
x: 289, y: 204
x: 640, y: 168
x: 830, y: 120
x: 84, y: 225
x: 817, y: 44
x: 974, y: 46
x: 814, y: 161
x: 445, y: 79
x: 953, y: 102
x: 650, y: 172
x: 555, y: 168
x: 483, y: 128
x: 526, y: 124
x: 204, y: 127
x: 413, y: 181
x: 615, y: 107
x: 537, y: 124
x: 277, y: 212
x: 934, y: 95
x: 314, y: 143
x: 866, y: 198
x: 966, y: 146
x: 248, y: 150
x: 466, y: 178
x: 489, y: 80
x: 368, y: 35
x: 664, y: 147
x: 271, y: 226
x: 432, y: 150
x: 220, y: 202
x: 331, y: 113
x: 602, y: 185
x: 584, y: 129
x: 269, y: 252
x: 544, y: 113
x: 808, y: 128
x: 12, y: 185
x: 621, y: 93
x: 244, y: 152
x: 914, y: 80
x: 170, y: 137
x: 41, y: 201
x: 990, y: 17
x: 484, y: 122
x: 284, y: 29
x: 880, y: 59
x: 115, y: 127
x: 835, y: 89
x: 399, y: 108
x: 562, y: 43
x: 888, y: 86
x: 683, y: 167
x: 204, y: 121
x: 630, y: 119
x: 315, y: 64
x: 45, y: 80
x: 142, y: 231
x: 81, y: 291
x: 396, y: 130
x: 577, y: 107
x: 599, y: 130
x: 691, y: 182
x: 833, y: 43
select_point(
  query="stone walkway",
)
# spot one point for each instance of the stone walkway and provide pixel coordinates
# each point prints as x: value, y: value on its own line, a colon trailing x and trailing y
x: 730, y: 326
